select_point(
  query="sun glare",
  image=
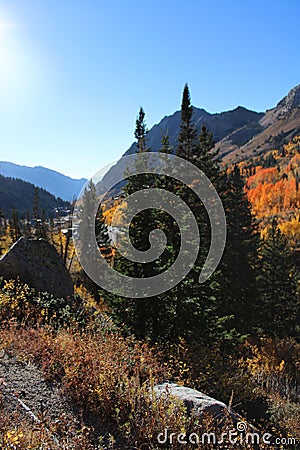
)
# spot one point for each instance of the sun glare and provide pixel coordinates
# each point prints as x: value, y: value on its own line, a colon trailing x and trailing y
x: 4, y: 26
x: 18, y: 65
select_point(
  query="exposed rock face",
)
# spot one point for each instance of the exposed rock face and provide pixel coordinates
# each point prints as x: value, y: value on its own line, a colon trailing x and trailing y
x: 196, y: 402
x: 291, y: 101
x: 37, y: 263
x: 278, y: 126
x: 284, y: 107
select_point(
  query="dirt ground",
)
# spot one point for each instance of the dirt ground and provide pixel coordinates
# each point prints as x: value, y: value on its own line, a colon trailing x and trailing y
x: 25, y: 381
x: 24, y: 393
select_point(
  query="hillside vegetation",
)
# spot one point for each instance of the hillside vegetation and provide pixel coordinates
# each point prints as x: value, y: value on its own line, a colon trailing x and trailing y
x: 272, y: 187
x: 19, y: 195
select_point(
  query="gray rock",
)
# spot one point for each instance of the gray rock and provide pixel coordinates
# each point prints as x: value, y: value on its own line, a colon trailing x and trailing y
x: 196, y: 402
x: 37, y: 263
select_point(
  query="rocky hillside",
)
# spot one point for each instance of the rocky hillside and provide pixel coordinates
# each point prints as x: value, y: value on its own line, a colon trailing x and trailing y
x: 278, y: 126
x: 241, y: 123
x: 240, y: 134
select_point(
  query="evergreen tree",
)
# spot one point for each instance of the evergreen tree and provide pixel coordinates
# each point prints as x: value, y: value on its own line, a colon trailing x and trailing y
x: 51, y: 231
x: 39, y: 226
x: 43, y: 228
x: 197, y: 305
x: 89, y: 209
x: 278, y: 308
x: 239, y: 259
x: 36, y: 204
x: 162, y: 309
x: 190, y: 310
x: 187, y: 141
x: 102, y: 235
x: 136, y: 314
x: 15, y: 226
x: 87, y: 226
x: 27, y: 226
x: 205, y: 158
x: 140, y: 132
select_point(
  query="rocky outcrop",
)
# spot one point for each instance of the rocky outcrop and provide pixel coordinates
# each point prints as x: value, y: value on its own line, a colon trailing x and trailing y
x: 196, y: 402
x: 37, y: 263
x: 283, y: 108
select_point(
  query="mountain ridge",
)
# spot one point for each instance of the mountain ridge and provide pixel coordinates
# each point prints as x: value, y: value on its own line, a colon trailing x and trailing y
x: 58, y: 184
x: 220, y: 124
x: 235, y: 130
x: 19, y: 194
x: 239, y: 133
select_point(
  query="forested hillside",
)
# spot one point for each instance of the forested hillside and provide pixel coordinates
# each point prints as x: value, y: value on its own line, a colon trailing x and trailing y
x: 272, y: 188
x: 19, y: 195
x: 54, y: 182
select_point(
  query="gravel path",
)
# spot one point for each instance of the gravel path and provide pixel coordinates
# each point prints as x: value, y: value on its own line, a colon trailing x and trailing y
x: 26, y: 382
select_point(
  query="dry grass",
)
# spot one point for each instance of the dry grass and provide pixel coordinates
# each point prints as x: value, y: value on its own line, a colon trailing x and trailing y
x: 109, y: 379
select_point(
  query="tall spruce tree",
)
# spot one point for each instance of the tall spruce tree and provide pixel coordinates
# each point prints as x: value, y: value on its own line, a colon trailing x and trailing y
x: 188, y: 310
x: 89, y: 212
x: 135, y: 315
x: 195, y: 316
x: 187, y: 141
x: 162, y: 324
x: 43, y: 229
x: 39, y: 219
x: 102, y: 235
x: 140, y: 132
x: 86, y: 226
x: 278, y: 308
x: 15, y: 226
x: 239, y: 259
x: 27, y: 226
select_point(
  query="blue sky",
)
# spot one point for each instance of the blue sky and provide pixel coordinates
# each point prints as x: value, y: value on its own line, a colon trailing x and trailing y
x: 73, y: 73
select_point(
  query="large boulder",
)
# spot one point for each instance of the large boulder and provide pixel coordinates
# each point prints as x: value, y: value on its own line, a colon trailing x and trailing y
x: 196, y: 402
x: 37, y: 263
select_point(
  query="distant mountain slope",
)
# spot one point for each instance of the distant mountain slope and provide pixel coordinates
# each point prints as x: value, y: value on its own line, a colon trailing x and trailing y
x: 241, y: 123
x: 54, y: 182
x: 240, y: 133
x: 277, y: 127
x: 220, y: 124
x: 19, y: 194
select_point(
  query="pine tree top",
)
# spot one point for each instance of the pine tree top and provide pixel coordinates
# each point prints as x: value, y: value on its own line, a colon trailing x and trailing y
x: 186, y: 107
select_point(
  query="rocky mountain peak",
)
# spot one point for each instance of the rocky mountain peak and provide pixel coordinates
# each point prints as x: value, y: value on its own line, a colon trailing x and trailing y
x: 290, y: 101
x: 288, y: 104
